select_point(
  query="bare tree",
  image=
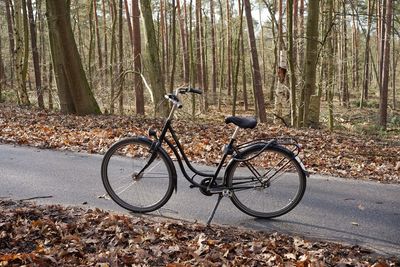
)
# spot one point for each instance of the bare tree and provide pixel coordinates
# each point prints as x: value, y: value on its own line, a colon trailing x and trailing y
x: 383, y: 103
x: 257, y: 80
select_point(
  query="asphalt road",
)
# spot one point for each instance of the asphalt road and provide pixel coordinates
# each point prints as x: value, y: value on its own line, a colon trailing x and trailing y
x: 343, y: 210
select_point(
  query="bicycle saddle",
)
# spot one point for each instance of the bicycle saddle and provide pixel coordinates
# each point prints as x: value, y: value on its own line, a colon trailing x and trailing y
x: 242, y: 122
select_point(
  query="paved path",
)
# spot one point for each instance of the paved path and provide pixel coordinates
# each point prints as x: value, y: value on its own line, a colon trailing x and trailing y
x: 348, y: 211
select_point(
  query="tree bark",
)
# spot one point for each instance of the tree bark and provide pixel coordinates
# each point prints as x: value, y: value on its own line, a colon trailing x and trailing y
x: 291, y: 60
x: 331, y: 67
x: 35, y: 56
x: 383, y: 103
x: 96, y: 21
x: 311, y: 55
x: 184, y: 44
x: 21, y: 49
x: 214, y: 72
x: 364, y: 91
x: 156, y: 80
x: 73, y: 88
x: 10, y: 27
x: 137, y: 59
x: 257, y: 80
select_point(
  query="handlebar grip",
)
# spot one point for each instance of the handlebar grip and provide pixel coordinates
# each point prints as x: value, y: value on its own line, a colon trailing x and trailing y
x: 195, y: 90
x: 184, y: 90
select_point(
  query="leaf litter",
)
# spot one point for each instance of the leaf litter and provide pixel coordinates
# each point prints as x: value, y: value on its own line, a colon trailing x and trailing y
x: 337, y: 154
x: 53, y: 235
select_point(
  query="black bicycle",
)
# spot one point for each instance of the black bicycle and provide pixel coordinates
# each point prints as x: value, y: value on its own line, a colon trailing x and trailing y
x: 264, y: 178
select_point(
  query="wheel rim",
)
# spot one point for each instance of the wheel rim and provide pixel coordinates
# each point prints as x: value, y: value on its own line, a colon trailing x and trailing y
x: 139, y: 192
x: 282, y: 188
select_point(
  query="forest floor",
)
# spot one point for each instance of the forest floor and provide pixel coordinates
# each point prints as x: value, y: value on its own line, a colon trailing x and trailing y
x: 344, y: 153
x: 53, y: 235
x: 56, y: 235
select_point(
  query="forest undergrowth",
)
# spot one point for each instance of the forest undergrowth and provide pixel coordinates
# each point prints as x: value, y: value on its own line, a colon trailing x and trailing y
x: 341, y: 153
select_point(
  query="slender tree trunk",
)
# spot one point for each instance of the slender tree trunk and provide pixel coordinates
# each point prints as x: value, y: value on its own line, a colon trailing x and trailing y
x: 244, y: 78
x: 106, y: 67
x: 291, y: 59
x: 214, y: 73
x: 237, y: 53
x: 96, y: 20
x: 229, y: 47
x: 156, y: 79
x: 137, y: 59
x: 50, y: 85
x: 184, y: 44
x: 364, y: 91
x: 344, y: 58
x: 222, y: 56
x: 162, y: 38
x: 395, y: 59
x: 173, y: 40
x: 91, y: 43
x: 121, y: 59
x: 383, y: 104
x: 2, y: 72
x: 257, y: 80
x: 129, y: 20
x: 331, y: 67
x: 35, y: 55
x: 113, y: 56
x: 74, y: 91
x: 10, y: 27
x: 310, y: 58
x: 21, y: 49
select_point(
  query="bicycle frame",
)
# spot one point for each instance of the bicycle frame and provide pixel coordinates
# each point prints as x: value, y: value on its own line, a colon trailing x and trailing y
x: 182, y: 158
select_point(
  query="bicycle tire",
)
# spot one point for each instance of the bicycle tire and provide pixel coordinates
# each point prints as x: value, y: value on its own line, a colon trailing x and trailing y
x: 278, y: 196
x: 143, y: 192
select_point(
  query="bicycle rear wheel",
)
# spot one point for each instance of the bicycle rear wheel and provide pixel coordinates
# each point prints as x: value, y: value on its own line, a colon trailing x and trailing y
x: 269, y: 185
x: 132, y: 185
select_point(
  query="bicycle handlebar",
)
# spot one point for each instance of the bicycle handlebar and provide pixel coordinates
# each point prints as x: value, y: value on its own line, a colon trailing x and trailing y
x: 184, y: 90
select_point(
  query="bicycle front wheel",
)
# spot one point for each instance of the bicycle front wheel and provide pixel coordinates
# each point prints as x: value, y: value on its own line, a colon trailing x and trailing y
x: 269, y: 184
x: 135, y: 179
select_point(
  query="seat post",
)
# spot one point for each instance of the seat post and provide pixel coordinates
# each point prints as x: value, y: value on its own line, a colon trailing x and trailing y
x: 235, y: 133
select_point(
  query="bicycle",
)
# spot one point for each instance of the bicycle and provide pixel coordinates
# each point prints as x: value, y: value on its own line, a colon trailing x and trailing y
x: 264, y: 178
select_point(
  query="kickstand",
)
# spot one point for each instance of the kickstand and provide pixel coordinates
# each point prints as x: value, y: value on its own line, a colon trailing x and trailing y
x: 220, y: 196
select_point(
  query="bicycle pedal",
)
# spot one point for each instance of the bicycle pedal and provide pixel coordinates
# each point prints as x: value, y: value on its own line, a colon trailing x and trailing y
x: 192, y: 186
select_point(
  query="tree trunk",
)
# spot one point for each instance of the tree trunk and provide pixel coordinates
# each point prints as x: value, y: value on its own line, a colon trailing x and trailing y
x: 237, y: 63
x: 184, y: 44
x: 311, y: 55
x: 229, y: 47
x: 257, y: 80
x: 173, y: 40
x: 22, y: 49
x: 364, y: 91
x: 96, y: 21
x: 35, y: 55
x: 383, y: 103
x: 214, y: 73
x: 73, y: 88
x: 129, y: 20
x: 2, y: 72
x: 137, y: 59
x: 113, y: 55
x: 10, y: 27
x: 344, y: 58
x: 156, y: 79
x: 291, y: 59
x: 121, y: 77
x: 331, y: 67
